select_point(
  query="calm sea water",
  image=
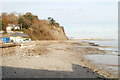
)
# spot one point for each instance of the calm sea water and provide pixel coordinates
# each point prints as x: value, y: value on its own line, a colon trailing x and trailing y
x: 108, y: 61
x: 112, y: 43
x: 106, y: 43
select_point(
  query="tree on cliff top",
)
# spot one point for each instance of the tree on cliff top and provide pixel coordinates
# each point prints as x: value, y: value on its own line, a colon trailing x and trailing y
x: 26, y: 20
x: 51, y: 21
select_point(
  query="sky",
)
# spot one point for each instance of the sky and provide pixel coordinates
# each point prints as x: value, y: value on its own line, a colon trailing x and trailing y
x: 80, y: 18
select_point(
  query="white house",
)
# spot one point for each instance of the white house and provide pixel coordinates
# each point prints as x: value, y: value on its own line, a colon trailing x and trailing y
x: 17, y: 28
x: 11, y: 27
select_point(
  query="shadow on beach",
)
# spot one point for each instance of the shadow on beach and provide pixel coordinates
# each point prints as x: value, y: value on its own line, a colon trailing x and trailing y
x: 78, y: 72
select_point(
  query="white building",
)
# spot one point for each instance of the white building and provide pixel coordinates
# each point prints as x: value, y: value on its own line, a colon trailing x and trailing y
x: 12, y: 27
x: 9, y: 28
x: 19, y: 37
x: 16, y: 28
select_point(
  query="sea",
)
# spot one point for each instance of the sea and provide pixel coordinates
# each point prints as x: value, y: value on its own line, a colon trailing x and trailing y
x: 108, y: 61
x: 113, y: 43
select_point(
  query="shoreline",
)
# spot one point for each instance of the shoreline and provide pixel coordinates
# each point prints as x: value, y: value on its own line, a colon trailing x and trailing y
x: 49, y: 53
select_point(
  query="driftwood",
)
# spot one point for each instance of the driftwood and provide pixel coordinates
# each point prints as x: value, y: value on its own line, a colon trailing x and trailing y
x: 6, y: 45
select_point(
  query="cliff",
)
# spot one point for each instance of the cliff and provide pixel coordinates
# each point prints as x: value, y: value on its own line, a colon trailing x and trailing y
x: 44, y: 31
x: 36, y: 28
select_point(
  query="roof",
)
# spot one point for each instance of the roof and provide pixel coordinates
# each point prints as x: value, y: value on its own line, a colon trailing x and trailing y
x: 19, y: 34
x: 13, y: 25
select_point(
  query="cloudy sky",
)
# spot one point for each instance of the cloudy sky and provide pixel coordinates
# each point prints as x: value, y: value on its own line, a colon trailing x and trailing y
x: 80, y: 18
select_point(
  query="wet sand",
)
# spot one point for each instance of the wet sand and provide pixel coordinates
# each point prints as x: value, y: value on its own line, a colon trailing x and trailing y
x: 50, y: 59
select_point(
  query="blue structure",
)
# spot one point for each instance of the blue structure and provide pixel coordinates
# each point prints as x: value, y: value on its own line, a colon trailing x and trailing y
x: 6, y: 40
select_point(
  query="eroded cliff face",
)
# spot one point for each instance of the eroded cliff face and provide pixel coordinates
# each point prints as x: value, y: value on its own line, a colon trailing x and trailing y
x: 44, y: 31
x: 58, y: 33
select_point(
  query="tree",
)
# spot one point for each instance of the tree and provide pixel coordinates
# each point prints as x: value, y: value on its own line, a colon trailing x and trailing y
x: 12, y: 19
x: 20, y: 21
x: 29, y: 17
x: 49, y: 18
x: 51, y: 21
x: 4, y: 21
x: 25, y: 22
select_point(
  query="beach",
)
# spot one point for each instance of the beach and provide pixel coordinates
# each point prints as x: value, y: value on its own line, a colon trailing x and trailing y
x: 59, y: 39
x: 51, y: 59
